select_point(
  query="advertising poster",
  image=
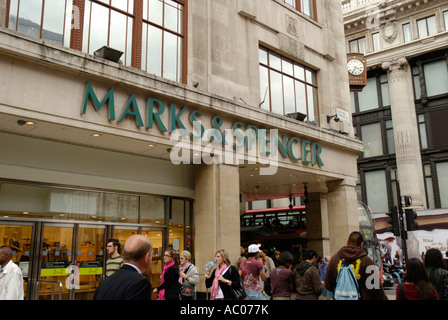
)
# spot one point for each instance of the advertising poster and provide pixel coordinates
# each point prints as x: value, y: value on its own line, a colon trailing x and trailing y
x: 418, y: 243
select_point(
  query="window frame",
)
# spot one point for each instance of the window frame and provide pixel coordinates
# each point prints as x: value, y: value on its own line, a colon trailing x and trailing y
x: 42, y: 19
x: 313, y: 84
x: 111, y: 9
x: 76, y: 34
x: 357, y: 41
x: 379, y: 89
x: 297, y: 4
x: 164, y: 30
x: 427, y: 29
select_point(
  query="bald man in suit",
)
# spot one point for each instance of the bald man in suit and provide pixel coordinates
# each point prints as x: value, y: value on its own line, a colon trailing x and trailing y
x: 129, y: 283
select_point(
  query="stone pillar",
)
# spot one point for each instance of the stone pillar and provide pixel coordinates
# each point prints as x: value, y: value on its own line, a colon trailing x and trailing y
x: 3, y: 13
x: 404, y: 120
x: 342, y: 212
x: 317, y: 228
x: 217, y: 214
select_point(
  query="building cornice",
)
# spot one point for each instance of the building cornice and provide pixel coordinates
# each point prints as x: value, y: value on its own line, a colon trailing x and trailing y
x: 41, y: 52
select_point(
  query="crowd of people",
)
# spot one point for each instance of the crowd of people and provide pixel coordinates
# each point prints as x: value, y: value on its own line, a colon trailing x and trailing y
x: 255, y: 276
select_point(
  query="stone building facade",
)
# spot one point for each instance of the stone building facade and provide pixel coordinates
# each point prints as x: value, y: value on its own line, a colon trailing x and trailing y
x: 96, y: 146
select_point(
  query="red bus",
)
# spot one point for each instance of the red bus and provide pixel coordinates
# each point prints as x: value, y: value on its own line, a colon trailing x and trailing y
x: 285, y: 229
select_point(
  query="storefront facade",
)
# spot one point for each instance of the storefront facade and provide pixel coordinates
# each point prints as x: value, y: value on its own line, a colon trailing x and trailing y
x: 93, y: 149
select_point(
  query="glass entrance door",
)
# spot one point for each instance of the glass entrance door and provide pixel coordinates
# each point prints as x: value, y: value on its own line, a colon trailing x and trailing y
x: 55, y: 259
x: 89, y: 260
x: 156, y: 237
x: 18, y: 236
x: 72, y: 260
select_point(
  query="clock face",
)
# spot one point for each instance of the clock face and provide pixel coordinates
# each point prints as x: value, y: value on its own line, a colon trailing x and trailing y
x: 355, y: 67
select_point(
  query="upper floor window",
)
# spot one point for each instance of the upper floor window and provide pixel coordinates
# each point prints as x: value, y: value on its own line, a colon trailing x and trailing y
x: 287, y: 87
x: 374, y: 95
x: 445, y: 19
x: 307, y: 7
x: 49, y: 20
x: 434, y: 81
x: 376, y: 42
x: 427, y: 26
x: 162, y: 38
x: 109, y: 23
x: 358, y: 45
x: 159, y: 50
x: 407, y: 34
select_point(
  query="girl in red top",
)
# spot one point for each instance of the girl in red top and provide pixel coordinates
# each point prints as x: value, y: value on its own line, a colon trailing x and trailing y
x: 417, y: 286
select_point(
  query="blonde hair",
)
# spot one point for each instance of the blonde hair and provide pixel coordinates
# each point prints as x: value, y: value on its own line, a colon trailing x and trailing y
x: 186, y: 255
x: 225, y: 256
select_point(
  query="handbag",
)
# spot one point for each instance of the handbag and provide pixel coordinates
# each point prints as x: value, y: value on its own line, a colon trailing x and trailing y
x: 238, y: 293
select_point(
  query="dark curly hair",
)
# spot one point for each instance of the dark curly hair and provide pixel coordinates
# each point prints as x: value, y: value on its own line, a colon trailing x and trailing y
x: 434, y: 259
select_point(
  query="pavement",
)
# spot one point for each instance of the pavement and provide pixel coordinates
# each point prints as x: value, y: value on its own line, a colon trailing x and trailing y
x: 391, y: 292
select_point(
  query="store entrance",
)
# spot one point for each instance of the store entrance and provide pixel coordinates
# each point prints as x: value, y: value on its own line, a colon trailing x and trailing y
x: 71, y: 261
x: 67, y: 261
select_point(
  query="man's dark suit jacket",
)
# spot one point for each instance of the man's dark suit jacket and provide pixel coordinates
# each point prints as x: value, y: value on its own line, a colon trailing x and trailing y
x: 125, y: 284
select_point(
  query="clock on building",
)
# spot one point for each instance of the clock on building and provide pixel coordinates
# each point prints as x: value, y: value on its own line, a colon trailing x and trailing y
x: 357, y: 71
x: 355, y: 67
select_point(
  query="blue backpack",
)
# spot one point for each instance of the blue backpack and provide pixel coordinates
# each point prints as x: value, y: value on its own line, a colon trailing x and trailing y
x: 347, y: 287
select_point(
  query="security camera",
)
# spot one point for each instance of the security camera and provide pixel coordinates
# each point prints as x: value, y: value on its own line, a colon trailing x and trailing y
x: 336, y: 119
x: 21, y: 122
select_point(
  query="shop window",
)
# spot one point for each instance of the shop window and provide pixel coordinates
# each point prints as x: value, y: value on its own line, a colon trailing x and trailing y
x: 372, y: 139
x: 152, y: 210
x: 307, y: 7
x: 436, y: 77
x: 368, y: 97
x: 374, y: 95
x: 394, y: 184
x: 422, y: 131
x: 426, y: 27
x: 429, y: 187
x: 376, y: 192
x: 163, y: 36
x: 439, y: 135
x: 49, y: 20
x: 416, y: 82
x: 287, y: 87
x: 442, y: 178
x: 61, y: 204
x: 177, y: 213
x: 390, y: 137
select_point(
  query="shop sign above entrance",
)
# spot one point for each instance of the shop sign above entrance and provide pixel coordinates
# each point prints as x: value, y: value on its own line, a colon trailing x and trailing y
x: 239, y: 140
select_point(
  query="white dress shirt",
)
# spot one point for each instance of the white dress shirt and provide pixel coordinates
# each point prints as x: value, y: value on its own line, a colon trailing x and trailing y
x: 11, y: 282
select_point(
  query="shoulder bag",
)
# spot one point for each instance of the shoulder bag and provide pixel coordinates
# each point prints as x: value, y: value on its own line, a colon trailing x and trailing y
x: 237, y: 293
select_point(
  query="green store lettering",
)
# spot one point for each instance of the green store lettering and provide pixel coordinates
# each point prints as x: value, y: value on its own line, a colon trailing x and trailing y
x: 294, y: 148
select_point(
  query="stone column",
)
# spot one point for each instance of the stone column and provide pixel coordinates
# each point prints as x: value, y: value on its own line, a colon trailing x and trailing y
x: 217, y: 214
x: 342, y: 212
x: 404, y: 119
x: 3, y: 13
x: 317, y: 228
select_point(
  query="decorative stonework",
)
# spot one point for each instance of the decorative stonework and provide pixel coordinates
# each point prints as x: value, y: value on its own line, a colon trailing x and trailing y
x: 389, y: 31
x: 395, y: 64
x: 291, y: 25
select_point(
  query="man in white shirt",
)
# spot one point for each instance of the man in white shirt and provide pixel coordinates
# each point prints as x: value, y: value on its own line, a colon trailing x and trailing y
x: 11, y: 281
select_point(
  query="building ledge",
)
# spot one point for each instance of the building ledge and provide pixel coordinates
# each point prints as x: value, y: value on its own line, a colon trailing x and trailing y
x: 42, y: 52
